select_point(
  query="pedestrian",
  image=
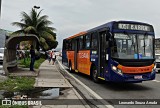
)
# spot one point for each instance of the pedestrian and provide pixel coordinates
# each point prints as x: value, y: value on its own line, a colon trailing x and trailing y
x: 53, y: 57
x: 50, y: 56
x: 32, y: 53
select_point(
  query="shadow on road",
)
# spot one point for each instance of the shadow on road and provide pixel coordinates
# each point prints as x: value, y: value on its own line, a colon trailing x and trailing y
x: 126, y: 86
x: 111, y: 85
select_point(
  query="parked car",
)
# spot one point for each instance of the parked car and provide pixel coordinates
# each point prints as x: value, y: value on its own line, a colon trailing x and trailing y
x: 157, y: 62
x: 57, y: 53
x: 1, y: 55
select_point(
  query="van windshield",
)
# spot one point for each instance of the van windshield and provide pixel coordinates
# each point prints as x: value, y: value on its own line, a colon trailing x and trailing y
x: 1, y: 50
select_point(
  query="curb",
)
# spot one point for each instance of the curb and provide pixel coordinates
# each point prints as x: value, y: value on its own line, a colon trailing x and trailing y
x: 91, y: 94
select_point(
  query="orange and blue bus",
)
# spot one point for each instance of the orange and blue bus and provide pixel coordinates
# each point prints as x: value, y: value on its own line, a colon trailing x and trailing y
x: 118, y: 51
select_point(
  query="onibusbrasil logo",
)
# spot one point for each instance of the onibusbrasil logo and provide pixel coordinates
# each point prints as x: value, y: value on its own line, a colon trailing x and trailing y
x: 21, y: 102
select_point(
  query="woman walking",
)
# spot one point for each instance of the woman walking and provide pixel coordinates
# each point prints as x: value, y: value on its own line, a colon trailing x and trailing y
x: 53, y: 57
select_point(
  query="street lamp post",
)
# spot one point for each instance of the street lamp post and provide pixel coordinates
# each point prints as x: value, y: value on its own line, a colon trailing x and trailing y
x: 36, y: 7
x: 0, y: 7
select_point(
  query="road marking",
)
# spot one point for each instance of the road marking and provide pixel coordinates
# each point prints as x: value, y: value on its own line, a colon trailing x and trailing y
x: 86, y: 87
x: 155, y: 80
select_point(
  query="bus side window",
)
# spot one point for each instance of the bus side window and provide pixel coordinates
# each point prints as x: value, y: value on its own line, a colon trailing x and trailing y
x: 73, y: 44
x: 69, y: 45
x: 66, y: 45
x: 88, y: 41
x: 94, y: 41
x: 81, y: 42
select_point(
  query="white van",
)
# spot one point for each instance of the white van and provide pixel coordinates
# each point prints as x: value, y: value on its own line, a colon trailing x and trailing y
x: 157, y: 56
x: 1, y: 55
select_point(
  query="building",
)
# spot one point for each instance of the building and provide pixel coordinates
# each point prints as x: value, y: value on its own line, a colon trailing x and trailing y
x: 157, y: 45
x: 3, y: 36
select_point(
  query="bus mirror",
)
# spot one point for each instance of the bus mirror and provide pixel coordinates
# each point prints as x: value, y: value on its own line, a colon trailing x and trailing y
x: 109, y: 36
x: 107, y: 44
x: 110, y: 42
x: 106, y: 56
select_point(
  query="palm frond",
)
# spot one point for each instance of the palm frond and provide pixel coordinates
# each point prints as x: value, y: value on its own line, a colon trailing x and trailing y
x: 34, y: 23
x: 43, y: 24
x: 43, y: 43
x: 39, y: 13
x: 18, y: 32
x: 44, y: 17
x: 34, y: 17
x: 51, y: 28
x: 30, y: 29
x: 26, y: 18
x: 52, y: 33
x: 46, y: 35
x: 19, y: 24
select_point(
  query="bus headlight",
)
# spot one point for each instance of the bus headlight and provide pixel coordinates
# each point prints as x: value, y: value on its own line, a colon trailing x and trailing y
x: 114, y: 68
x: 154, y: 68
x: 119, y: 71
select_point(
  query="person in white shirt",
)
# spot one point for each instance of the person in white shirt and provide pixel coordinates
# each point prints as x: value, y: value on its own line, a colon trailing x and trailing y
x: 53, y: 57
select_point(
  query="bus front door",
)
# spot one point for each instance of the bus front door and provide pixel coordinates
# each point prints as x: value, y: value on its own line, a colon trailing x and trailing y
x: 102, y: 53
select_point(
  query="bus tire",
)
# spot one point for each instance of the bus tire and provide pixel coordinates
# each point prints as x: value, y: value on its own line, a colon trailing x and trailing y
x: 70, y: 67
x: 94, y: 74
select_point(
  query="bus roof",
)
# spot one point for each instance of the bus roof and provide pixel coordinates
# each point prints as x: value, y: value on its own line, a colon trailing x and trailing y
x: 109, y: 24
x: 78, y: 34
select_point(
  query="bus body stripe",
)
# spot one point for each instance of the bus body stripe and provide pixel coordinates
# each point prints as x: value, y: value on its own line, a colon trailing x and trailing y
x: 136, y: 70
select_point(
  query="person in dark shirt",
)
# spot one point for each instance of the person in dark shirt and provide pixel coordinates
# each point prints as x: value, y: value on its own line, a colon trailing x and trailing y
x: 32, y: 52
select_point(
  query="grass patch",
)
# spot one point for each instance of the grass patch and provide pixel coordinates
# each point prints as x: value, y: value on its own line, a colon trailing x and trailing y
x: 16, y: 84
x: 26, y: 63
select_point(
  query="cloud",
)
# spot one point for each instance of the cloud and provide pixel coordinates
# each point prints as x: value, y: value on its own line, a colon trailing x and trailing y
x: 72, y: 16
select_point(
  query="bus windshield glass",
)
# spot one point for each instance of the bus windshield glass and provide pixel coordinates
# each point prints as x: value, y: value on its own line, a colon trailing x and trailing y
x: 132, y: 46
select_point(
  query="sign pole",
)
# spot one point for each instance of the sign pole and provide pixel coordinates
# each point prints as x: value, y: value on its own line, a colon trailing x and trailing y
x: 0, y: 7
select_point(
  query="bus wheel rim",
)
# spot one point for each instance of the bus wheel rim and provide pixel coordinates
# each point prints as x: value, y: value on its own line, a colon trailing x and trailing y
x: 94, y: 74
x: 70, y: 68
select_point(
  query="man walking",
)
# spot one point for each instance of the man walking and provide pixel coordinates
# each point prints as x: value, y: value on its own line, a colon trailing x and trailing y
x: 32, y: 52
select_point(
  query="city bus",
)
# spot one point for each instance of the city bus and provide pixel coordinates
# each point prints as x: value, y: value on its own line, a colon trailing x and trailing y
x: 118, y: 51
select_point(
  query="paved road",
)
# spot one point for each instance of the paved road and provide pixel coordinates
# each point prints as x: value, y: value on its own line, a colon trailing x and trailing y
x: 145, y: 90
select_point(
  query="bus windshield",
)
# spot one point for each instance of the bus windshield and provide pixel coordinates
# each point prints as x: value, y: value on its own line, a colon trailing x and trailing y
x: 132, y: 46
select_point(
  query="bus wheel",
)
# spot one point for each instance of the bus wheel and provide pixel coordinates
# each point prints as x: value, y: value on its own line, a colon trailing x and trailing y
x: 95, y: 75
x: 70, y: 67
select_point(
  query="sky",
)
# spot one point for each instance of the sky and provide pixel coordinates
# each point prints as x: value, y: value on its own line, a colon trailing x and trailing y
x: 73, y: 16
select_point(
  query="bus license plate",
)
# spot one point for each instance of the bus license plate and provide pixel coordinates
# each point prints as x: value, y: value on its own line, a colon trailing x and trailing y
x: 138, y: 77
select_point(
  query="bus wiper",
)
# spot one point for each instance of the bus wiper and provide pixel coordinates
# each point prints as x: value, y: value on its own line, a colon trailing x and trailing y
x: 127, y: 34
x: 130, y: 37
x: 144, y: 47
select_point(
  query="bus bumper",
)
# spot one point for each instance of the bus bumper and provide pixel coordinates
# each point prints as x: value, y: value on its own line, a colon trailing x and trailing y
x: 130, y: 78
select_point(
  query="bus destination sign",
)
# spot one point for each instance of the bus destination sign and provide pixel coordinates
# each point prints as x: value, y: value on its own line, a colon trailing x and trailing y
x: 134, y: 27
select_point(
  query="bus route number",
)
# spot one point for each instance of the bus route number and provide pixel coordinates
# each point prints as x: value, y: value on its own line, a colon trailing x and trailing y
x: 83, y: 55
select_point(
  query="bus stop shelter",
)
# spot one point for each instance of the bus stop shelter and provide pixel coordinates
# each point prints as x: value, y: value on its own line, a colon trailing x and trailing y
x: 10, y: 60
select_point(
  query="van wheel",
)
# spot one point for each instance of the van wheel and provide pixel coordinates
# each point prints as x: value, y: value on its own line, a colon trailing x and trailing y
x: 70, y: 68
x: 95, y: 75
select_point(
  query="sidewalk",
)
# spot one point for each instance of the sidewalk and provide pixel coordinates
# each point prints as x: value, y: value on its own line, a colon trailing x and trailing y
x: 49, y: 76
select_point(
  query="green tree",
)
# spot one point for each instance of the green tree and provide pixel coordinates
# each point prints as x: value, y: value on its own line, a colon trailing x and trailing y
x: 34, y: 23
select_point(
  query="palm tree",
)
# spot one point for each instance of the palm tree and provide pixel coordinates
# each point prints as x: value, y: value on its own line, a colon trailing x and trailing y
x: 36, y: 24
